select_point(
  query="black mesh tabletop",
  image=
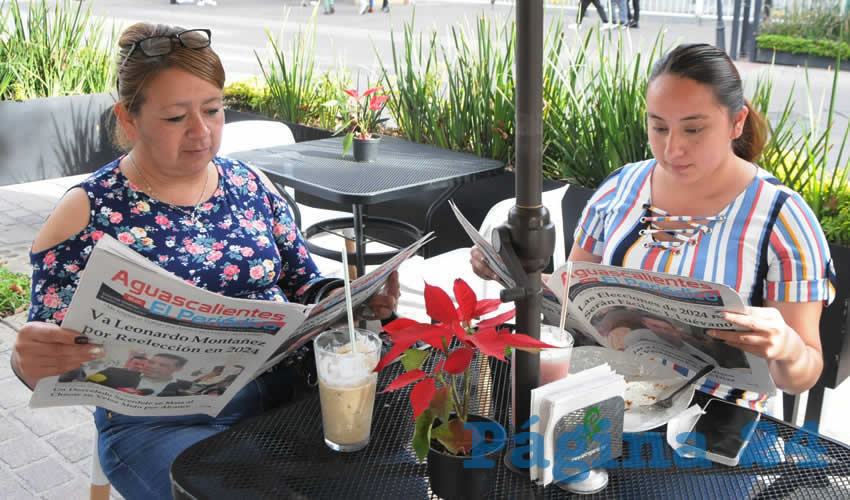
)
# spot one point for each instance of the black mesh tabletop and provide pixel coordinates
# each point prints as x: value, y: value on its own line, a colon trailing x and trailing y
x: 282, y: 455
x: 402, y: 167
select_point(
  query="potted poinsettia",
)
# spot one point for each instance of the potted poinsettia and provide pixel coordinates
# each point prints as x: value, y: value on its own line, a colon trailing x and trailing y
x: 441, y: 395
x: 363, y: 116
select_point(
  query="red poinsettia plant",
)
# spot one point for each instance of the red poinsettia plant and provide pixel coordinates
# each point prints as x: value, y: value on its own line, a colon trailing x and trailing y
x: 444, y: 391
x: 363, y: 114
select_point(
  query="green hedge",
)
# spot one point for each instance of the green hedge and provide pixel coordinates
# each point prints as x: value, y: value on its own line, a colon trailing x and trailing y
x: 818, y: 20
x: 825, y: 48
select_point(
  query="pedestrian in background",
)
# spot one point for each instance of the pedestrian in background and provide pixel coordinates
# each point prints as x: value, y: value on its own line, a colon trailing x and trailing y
x: 622, y: 12
x: 634, y: 14
x: 582, y: 10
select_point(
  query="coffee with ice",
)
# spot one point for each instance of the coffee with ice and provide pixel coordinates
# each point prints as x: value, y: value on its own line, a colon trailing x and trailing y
x: 347, y: 386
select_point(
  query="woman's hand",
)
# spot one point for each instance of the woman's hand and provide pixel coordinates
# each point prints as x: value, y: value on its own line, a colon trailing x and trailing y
x: 382, y: 305
x: 787, y: 335
x: 767, y: 334
x: 479, y: 265
x: 44, y: 349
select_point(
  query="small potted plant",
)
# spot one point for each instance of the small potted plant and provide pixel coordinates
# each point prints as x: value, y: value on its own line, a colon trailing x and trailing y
x: 441, y: 396
x: 363, y: 116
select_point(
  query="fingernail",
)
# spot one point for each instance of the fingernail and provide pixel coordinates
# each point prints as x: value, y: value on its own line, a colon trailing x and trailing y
x: 97, y: 351
x: 82, y: 339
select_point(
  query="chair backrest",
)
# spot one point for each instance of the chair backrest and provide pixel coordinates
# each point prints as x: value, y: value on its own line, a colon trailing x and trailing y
x: 253, y: 134
x: 572, y: 205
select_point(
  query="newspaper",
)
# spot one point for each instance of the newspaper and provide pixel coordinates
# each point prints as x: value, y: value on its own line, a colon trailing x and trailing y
x: 662, y: 316
x: 175, y: 349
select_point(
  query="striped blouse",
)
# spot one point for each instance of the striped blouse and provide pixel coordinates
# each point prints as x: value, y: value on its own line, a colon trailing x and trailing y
x: 768, y: 245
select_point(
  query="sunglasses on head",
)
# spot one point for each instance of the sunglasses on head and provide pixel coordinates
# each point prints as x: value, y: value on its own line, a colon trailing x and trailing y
x: 162, y: 45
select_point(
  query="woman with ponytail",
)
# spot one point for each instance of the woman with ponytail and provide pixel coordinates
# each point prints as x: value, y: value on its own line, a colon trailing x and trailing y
x: 703, y: 208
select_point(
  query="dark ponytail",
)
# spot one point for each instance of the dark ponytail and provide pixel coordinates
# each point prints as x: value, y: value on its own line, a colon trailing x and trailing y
x: 708, y: 65
x: 751, y: 142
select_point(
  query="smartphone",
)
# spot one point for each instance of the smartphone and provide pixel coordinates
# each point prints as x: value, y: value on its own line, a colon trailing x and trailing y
x: 727, y: 429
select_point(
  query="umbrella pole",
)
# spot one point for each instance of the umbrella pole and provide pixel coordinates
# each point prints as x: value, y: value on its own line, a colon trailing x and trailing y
x: 528, y: 237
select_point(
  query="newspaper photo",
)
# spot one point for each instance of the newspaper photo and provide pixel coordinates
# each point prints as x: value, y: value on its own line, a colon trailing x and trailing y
x: 173, y: 348
x: 662, y: 316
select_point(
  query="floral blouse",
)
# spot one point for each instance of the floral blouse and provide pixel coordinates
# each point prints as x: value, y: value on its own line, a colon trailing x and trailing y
x: 244, y: 242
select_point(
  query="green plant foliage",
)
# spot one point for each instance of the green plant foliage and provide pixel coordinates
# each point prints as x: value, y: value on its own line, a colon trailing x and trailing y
x: 290, y: 76
x: 247, y: 95
x: 331, y: 97
x: 825, y: 48
x: 53, y: 52
x: 414, y: 87
x: 14, y: 292
x: 462, y: 97
x: 836, y: 219
x: 458, y: 97
x: 594, y: 106
x: 798, y: 154
x: 817, y: 20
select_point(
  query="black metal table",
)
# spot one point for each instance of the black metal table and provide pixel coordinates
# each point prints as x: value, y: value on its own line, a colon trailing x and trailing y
x: 402, y: 168
x: 281, y: 454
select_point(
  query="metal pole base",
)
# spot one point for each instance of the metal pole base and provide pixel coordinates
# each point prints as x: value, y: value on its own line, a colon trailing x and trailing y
x: 597, y: 480
x: 513, y: 468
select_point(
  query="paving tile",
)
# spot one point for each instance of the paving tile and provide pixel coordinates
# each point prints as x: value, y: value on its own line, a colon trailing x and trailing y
x: 45, y: 475
x: 31, y: 218
x: 14, y: 393
x: 74, y: 444
x: 77, y: 488
x: 44, y: 421
x: 10, y: 430
x: 5, y: 365
x: 15, y: 213
x: 16, y: 320
x: 23, y: 450
x: 10, y: 488
x: 7, y: 337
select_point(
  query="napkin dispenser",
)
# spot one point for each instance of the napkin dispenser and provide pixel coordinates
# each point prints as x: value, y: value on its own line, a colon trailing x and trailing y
x: 587, y: 438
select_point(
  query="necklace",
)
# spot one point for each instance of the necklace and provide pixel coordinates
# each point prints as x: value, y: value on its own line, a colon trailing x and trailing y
x: 193, y: 215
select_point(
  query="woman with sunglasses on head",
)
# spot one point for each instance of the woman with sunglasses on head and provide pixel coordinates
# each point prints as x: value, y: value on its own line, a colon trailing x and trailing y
x: 702, y: 208
x: 207, y: 219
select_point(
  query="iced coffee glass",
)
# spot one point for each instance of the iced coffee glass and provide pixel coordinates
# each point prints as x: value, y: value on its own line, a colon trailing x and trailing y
x: 347, y: 386
x: 555, y: 362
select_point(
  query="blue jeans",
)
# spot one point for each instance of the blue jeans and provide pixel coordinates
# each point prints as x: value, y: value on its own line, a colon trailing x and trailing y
x: 136, y: 453
x: 622, y: 11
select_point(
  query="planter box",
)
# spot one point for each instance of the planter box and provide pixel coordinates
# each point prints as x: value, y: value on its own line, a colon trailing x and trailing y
x: 789, y: 59
x: 55, y: 137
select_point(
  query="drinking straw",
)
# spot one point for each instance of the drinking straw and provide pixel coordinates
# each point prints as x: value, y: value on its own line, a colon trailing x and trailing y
x: 565, y: 300
x: 348, y: 308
